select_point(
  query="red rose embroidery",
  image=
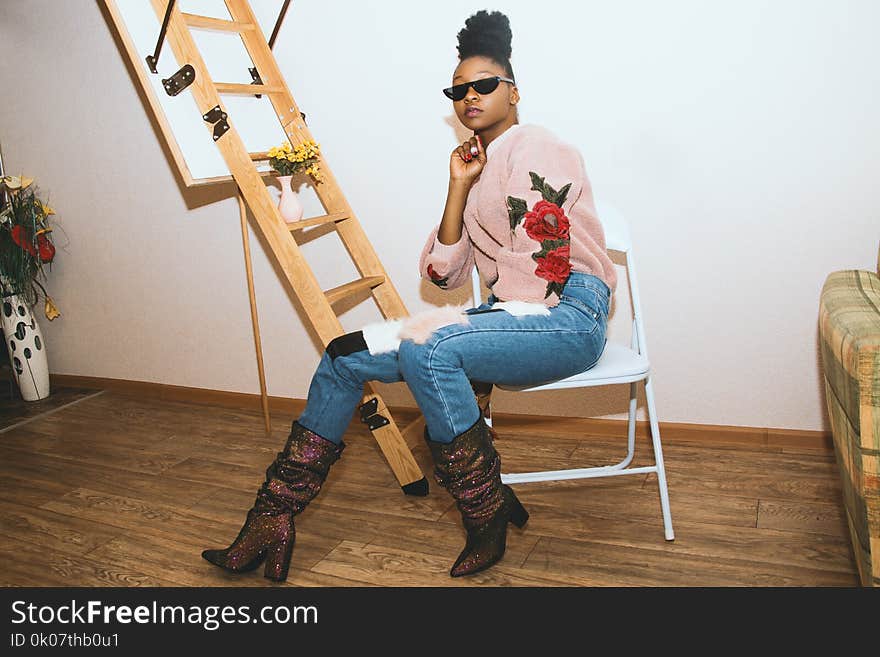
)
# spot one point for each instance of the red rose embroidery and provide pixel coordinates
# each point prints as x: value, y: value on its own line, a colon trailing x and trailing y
x: 546, y: 221
x: 546, y: 224
x: 436, y: 279
x: 555, y: 266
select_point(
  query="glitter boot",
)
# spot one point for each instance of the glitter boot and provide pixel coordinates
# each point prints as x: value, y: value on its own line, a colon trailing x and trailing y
x: 470, y: 469
x: 292, y: 481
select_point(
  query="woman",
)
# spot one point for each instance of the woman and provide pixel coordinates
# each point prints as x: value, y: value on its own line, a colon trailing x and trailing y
x: 519, y: 206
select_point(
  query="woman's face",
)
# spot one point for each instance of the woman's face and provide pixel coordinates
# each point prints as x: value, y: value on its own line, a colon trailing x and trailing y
x: 495, y: 106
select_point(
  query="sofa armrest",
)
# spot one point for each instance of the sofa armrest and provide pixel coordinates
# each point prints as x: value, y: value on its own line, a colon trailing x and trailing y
x: 849, y: 331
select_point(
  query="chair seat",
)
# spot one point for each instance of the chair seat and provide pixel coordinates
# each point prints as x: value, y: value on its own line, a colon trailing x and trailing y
x: 618, y: 364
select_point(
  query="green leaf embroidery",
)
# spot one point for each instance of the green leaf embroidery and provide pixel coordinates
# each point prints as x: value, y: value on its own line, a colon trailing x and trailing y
x: 547, y: 192
x: 547, y: 246
x: 538, y: 184
x: 517, y: 210
x: 537, y: 181
x: 560, y: 197
x: 554, y: 288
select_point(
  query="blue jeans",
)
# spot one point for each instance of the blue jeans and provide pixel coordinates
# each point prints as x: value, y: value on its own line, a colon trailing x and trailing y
x: 496, y: 347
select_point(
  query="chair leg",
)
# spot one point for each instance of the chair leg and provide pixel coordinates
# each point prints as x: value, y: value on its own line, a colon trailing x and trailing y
x: 631, y: 424
x: 658, y: 457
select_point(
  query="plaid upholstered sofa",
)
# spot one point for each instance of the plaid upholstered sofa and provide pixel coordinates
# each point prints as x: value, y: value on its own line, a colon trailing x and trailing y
x: 849, y: 330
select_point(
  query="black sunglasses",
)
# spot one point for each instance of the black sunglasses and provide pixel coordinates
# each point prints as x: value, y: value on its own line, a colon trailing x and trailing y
x: 482, y: 87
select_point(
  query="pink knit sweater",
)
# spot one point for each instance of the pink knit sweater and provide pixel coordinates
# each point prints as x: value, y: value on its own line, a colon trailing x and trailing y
x: 529, y: 220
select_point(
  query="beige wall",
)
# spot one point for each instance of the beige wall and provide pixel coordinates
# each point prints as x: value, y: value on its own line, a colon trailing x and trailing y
x: 740, y: 139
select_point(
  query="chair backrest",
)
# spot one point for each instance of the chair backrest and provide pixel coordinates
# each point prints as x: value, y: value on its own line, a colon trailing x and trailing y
x: 617, y: 235
x: 617, y: 238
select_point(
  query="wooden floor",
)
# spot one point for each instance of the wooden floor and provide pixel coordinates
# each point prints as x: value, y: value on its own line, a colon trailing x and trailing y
x: 117, y: 491
x: 14, y: 410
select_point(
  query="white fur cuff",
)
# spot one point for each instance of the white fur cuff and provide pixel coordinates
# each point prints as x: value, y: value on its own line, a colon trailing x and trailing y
x: 382, y: 336
x: 522, y: 308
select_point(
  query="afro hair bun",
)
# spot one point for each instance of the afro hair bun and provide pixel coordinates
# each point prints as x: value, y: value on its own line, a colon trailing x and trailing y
x: 487, y: 35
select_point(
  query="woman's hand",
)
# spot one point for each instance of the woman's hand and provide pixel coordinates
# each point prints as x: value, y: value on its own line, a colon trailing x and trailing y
x: 467, y: 160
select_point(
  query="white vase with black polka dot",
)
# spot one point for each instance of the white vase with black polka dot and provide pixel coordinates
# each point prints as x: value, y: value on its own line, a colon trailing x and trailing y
x: 27, y: 351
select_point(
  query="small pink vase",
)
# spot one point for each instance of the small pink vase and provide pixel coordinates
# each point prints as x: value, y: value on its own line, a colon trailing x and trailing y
x: 289, y: 206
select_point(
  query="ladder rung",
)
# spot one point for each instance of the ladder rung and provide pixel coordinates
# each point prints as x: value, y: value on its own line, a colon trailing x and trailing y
x: 259, y: 156
x: 210, y: 23
x: 316, y: 221
x: 350, y: 289
x: 245, y: 89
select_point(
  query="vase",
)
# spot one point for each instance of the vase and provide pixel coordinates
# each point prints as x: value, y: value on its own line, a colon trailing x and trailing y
x: 27, y: 351
x: 289, y: 206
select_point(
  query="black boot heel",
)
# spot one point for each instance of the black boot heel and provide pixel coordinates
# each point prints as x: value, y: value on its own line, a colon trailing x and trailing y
x: 278, y: 561
x: 518, y: 514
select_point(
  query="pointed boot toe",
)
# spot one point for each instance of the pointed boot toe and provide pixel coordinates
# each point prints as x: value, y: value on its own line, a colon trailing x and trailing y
x: 222, y: 558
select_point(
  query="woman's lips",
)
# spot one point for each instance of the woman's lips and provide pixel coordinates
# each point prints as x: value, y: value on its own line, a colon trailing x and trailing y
x: 473, y: 112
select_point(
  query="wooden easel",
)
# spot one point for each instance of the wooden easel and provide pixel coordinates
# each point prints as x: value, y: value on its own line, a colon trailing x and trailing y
x: 278, y: 233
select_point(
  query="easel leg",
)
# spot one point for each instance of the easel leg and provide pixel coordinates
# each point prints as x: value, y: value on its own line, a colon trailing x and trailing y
x: 396, y: 444
x: 376, y: 416
x: 242, y: 206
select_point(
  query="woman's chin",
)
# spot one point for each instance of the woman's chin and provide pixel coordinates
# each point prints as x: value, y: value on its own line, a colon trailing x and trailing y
x: 472, y: 122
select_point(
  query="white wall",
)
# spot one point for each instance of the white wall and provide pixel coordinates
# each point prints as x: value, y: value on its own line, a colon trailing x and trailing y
x: 740, y: 138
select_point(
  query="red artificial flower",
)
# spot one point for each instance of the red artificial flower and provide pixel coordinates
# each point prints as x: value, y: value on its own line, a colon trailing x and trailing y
x: 21, y: 237
x: 555, y: 266
x: 546, y: 221
x: 46, y: 248
x: 437, y: 279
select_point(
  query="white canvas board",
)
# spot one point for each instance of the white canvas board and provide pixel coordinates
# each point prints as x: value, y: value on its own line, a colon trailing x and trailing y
x: 227, y: 60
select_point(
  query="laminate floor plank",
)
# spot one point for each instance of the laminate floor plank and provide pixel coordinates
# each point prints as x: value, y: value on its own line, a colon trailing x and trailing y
x: 710, y: 540
x: 803, y: 517
x: 120, y: 491
x: 52, y: 530
x: 632, y: 566
x: 381, y: 565
x: 27, y: 564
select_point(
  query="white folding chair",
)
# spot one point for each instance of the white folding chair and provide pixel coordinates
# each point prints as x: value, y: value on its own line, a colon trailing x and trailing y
x: 618, y: 364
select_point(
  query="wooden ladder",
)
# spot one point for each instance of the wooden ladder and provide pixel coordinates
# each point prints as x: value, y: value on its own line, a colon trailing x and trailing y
x: 278, y: 233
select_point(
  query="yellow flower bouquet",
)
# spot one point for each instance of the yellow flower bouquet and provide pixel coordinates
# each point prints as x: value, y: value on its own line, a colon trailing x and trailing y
x: 303, y: 157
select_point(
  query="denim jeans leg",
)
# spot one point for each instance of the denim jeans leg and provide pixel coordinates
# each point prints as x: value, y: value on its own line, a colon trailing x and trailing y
x: 495, y: 347
x: 441, y: 389
x: 337, y: 388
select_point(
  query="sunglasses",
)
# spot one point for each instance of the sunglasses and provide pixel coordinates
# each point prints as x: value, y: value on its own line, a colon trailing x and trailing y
x: 482, y: 87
